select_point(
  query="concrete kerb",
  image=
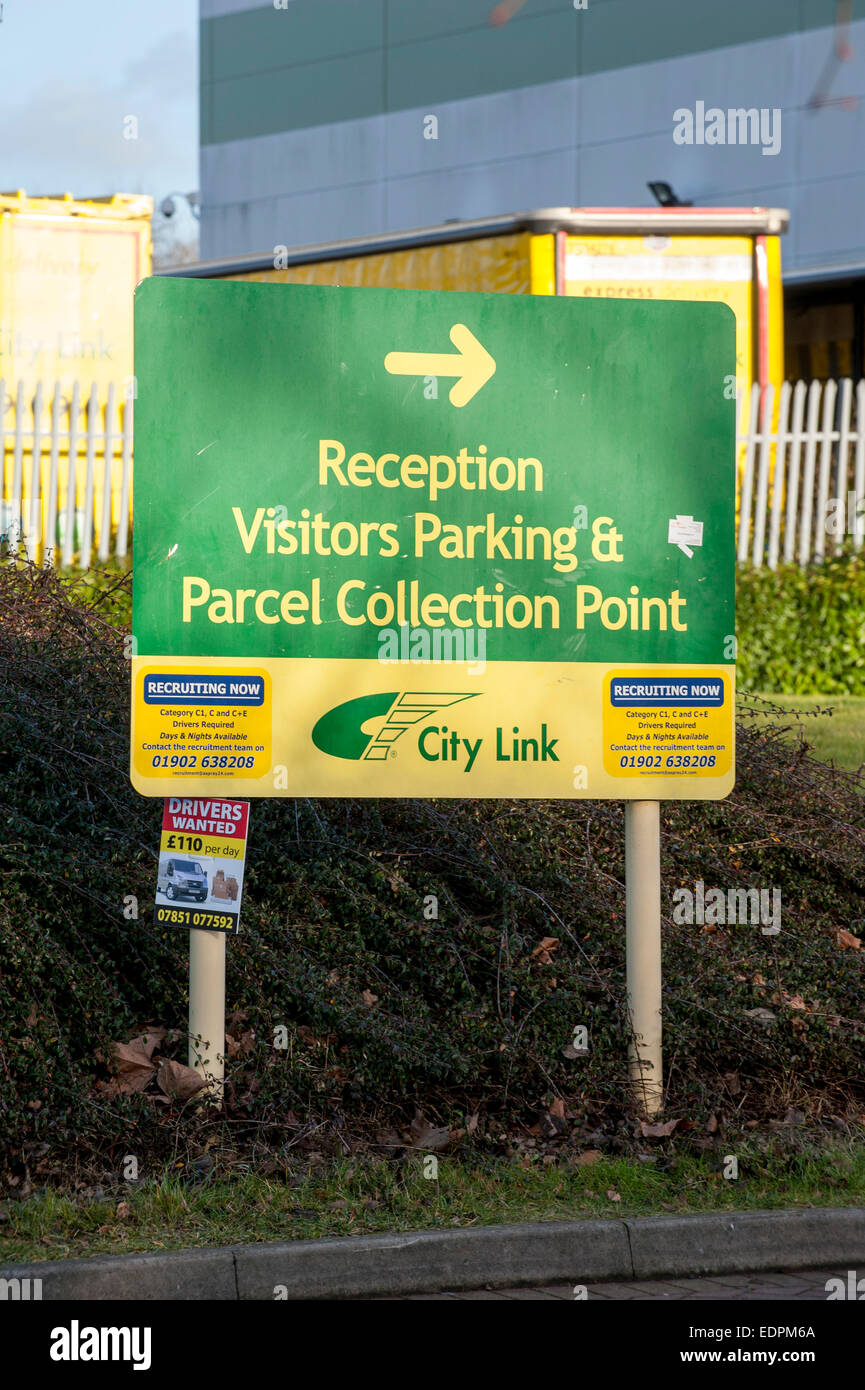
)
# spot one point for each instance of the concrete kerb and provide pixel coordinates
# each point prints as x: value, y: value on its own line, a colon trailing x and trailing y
x: 503, y: 1256
x: 171, y: 1274
x: 424, y: 1261
x: 738, y: 1242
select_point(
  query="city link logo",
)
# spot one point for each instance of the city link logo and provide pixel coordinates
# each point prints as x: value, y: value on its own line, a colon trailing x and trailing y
x: 366, y: 729
x: 347, y: 731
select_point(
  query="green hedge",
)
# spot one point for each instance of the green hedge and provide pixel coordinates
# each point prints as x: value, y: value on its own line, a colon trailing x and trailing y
x: 802, y: 631
x: 386, y: 1010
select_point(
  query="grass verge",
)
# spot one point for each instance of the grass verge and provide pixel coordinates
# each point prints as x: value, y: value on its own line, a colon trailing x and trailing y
x: 365, y: 1196
x: 834, y: 726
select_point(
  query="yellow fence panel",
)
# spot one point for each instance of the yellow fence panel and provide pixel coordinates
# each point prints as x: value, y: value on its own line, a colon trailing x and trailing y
x: 66, y: 472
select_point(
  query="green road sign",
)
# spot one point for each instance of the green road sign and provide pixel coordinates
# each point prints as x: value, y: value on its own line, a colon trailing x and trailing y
x: 394, y: 542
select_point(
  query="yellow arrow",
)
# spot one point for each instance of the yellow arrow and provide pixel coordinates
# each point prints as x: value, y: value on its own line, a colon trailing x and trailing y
x: 471, y: 364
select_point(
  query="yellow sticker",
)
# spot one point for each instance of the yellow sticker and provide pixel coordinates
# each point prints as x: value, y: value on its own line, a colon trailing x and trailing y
x: 202, y: 722
x: 676, y: 724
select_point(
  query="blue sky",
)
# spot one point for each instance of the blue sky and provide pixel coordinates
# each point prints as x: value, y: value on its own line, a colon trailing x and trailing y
x: 72, y: 70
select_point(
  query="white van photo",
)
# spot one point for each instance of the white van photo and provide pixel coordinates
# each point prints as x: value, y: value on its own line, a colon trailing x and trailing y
x: 182, y: 878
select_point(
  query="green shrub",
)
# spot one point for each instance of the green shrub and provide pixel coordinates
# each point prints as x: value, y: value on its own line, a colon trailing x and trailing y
x: 802, y: 631
x: 387, y: 1010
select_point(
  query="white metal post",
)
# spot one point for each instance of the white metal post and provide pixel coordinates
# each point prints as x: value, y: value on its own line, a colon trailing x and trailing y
x: 643, y: 951
x: 207, y: 1007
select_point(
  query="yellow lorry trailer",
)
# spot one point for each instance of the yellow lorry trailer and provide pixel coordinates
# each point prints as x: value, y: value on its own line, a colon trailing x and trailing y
x: 726, y: 254
x: 68, y: 271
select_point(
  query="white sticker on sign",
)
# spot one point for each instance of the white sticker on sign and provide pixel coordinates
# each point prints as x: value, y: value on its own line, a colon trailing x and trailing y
x: 684, y: 532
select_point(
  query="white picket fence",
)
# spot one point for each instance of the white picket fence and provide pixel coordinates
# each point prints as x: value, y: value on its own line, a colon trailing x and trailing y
x: 802, y: 465
x: 66, y: 472
x: 66, y: 479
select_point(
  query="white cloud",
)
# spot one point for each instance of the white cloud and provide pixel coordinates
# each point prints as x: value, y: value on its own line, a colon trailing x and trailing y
x: 69, y: 132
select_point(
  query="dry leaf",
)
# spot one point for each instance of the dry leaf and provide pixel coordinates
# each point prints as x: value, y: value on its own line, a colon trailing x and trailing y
x: 369, y: 998
x: 427, y: 1136
x: 793, y: 1117
x: 542, y: 952
x: 553, y: 1122
x: 389, y: 1139
x: 134, y: 1069
x: 846, y: 938
x: 124, y: 1211
x: 613, y: 1195
x: 761, y: 1015
x: 179, y: 1081
x: 658, y: 1131
x: 148, y: 1041
x: 587, y: 1157
x: 130, y: 1056
x: 712, y: 1124
x: 472, y: 1122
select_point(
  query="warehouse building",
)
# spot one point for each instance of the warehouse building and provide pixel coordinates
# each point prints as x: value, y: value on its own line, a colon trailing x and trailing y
x: 329, y: 119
